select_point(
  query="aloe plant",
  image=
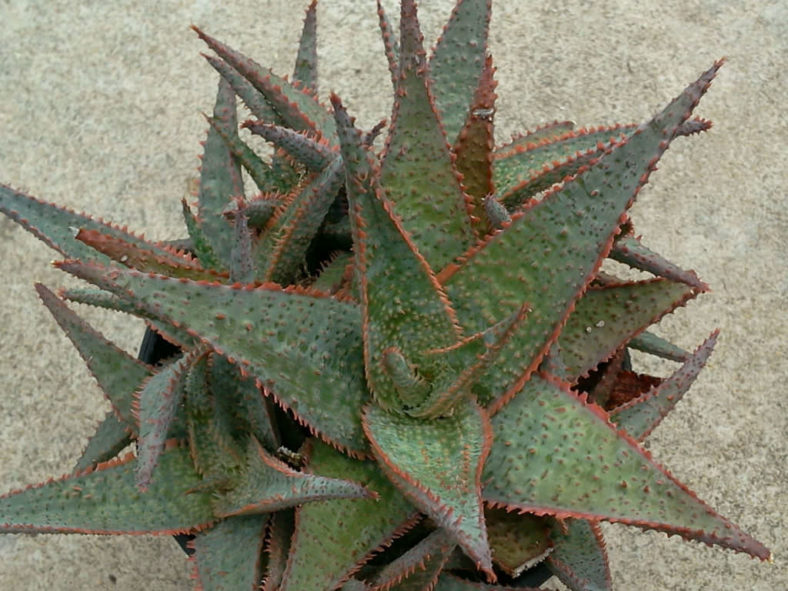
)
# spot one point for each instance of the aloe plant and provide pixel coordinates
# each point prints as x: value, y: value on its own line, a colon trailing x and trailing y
x: 398, y: 368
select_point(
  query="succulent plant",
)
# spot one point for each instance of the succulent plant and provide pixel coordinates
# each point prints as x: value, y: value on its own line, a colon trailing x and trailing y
x: 399, y: 368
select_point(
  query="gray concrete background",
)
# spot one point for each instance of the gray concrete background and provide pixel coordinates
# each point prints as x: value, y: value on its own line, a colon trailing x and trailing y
x: 100, y: 110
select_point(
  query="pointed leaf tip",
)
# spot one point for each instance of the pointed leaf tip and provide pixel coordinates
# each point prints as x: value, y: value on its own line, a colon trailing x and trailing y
x: 117, y: 373
x: 271, y: 485
x: 417, y: 174
x: 458, y: 61
x: 642, y: 415
x: 105, y: 500
x: 557, y: 478
x: 305, y: 72
x: 437, y: 465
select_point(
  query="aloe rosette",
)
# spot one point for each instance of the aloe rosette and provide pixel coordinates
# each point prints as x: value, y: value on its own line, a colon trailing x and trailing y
x: 398, y: 368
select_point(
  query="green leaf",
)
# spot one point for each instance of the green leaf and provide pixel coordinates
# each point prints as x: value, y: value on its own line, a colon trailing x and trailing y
x: 278, y: 548
x: 437, y: 464
x: 254, y: 100
x: 417, y: 174
x: 457, y: 368
x: 579, y: 558
x: 156, y: 405
x: 257, y: 210
x: 390, y: 43
x: 551, y: 251
x: 314, y: 154
x: 525, y: 169
x: 419, y: 567
x: 640, y: 416
x: 323, y: 555
x: 227, y: 556
x: 242, y: 402
x: 546, y: 132
x: 117, y: 373
x: 474, y: 149
x: 146, y: 257
x: 216, y: 453
x: 261, y: 172
x: 555, y: 454
x: 630, y: 251
x: 295, y: 107
x: 404, y: 309
x: 220, y: 176
x: 517, y: 541
x: 110, y: 438
x: 332, y: 276
x: 199, y: 241
x: 57, y: 226
x: 314, y: 368
x: 355, y: 585
x: 605, y: 319
x: 268, y: 485
x: 107, y: 501
x: 458, y: 61
x: 281, y: 252
x: 305, y: 71
x: 648, y: 342
x: 110, y: 301
x: 242, y: 266
x: 449, y: 582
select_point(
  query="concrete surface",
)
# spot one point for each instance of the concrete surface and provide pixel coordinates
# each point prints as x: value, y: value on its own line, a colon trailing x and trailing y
x: 99, y: 110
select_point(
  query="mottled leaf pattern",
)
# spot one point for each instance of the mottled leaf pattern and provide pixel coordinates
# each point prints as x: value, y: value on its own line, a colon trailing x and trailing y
x: 386, y: 370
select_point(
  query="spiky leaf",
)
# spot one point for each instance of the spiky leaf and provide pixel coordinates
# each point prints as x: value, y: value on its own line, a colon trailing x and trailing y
x: 322, y: 555
x: 270, y: 485
x: 145, y: 256
x: 551, y: 250
x: 277, y: 548
x: 548, y: 131
x: 404, y: 309
x: 524, y: 170
x: 437, y: 464
x: 156, y: 405
x: 648, y: 342
x: 458, y: 61
x: 314, y: 368
x: 216, y: 453
x: 579, y: 558
x: 517, y: 541
x: 305, y: 71
x: 117, y: 373
x: 419, y: 567
x: 449, y: 582
x: 227, y: 556
x: 107, y: 501
x: 390, y: 43
x: 640, y: 416
x: 417, y: 174
x: 632, y: 252
x: 109, y: 439
x: 607, y: 317
x: 281, y: 253
x: 295, y: 107
x: 57, y: 226
x: 474, y: 149
x: 261, y: 172
x: 578, y: 465
x: 220, y: 176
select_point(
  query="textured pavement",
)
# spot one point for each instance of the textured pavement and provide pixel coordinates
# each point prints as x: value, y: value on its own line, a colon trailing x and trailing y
x: 100, y: 110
